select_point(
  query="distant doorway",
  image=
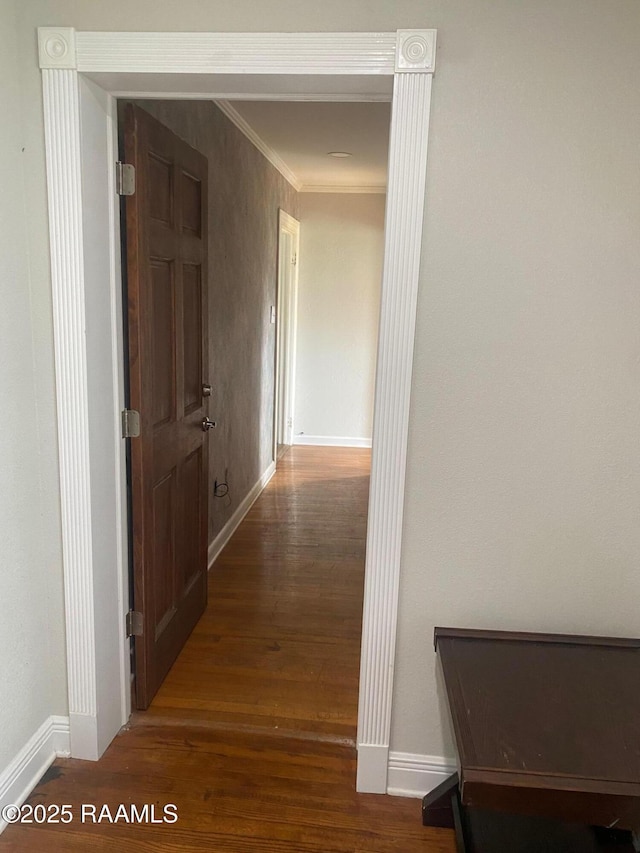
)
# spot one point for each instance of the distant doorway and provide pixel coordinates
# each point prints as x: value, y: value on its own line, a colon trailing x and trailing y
x: 286, y: 301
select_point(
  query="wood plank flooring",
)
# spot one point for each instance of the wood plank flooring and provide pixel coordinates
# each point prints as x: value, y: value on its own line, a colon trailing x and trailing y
x: 251, y: 736
x: 234, y: 793
x: 279, y: 644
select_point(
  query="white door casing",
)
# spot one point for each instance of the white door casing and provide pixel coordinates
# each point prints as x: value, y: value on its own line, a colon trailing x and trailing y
x: 286, y: 317
x: 328, y: 66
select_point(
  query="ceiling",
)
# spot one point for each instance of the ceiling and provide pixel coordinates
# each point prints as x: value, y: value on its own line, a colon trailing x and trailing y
x: 297, y: 136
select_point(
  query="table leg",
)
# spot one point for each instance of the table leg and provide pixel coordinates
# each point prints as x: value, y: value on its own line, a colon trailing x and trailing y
x: 436, y: 805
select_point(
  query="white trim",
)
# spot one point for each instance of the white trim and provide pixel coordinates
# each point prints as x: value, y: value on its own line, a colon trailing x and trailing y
x: 221, y: 540
x: 219, y: 95
x: 117, y: 367
x: 113, y: 60
x: 57, y: 47
x: 21, y: 776
x: 372, y: 770
x: 365, y: 189
x: 286, y: 333
x: 331, y: 441
x: 244, y: 127
x: 411, y: 775
x: 237, y: 53
x: 64, y: 181
x: 416, y: 51
x: 403, y: 242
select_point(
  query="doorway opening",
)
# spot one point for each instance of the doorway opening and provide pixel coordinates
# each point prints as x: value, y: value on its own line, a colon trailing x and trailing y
x: 82, y: 75
x: 286, y: 315
x: 216, y: 286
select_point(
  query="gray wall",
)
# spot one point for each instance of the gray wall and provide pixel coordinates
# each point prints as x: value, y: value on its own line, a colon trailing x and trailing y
x: 245, y: 192
x: 32, y: 669
x: 523, y: 468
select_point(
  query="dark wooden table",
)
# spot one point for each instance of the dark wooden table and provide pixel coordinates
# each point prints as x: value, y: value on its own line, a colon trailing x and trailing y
x: 547, y: 730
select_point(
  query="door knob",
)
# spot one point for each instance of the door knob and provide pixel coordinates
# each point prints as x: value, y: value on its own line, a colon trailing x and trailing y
x: 208, y: 424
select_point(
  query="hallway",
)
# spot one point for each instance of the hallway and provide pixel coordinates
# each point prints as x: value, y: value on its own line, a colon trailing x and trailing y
x: 279, y: 644
x: 251, y: 736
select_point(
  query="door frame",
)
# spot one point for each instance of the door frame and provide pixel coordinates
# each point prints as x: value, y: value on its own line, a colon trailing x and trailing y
x: 286, y: 325
x: 82, y: 73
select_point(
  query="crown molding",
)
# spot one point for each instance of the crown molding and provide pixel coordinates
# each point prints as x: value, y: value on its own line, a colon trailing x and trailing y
x: 369, y: 189
x: 274, y: 158
x: 233, y: 115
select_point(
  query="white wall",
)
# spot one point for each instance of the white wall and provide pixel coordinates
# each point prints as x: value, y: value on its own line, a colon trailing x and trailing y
x: 523, y: 488
x: 33, y: 677
x: 524, y: 472
x: 341, y: 251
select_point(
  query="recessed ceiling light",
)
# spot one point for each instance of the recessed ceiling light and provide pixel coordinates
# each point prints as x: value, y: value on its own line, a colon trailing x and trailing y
x: 340, y: 154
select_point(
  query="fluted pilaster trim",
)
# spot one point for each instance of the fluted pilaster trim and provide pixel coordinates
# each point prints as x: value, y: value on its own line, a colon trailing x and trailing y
x: 62, y: 136
x: 404, y: 219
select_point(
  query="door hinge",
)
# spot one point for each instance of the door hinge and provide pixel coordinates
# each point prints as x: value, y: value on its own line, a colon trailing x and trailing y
x: 294, y: 259
x: 125, y: 179
x: 133, y: 623
x: 130, y: 423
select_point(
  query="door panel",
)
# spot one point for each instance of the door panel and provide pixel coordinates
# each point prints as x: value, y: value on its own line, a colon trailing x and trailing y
x: 192, y: 203
x: 166, y: 228
x: 160, y: 188
x: 191, y: 324
x: 192, y: 474
x: 163, y: 549
x: 162, y: 341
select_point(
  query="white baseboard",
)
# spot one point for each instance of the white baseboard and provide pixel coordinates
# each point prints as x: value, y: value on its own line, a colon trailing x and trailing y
x: 234, y: 522
x: 410, y: 775
x: 25, y: 771
x: 331, y: 441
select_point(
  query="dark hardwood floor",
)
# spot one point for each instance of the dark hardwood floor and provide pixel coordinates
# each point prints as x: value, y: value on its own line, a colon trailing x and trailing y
x: 252, y: 734
x: 234, y: 793
x: 279, y: 644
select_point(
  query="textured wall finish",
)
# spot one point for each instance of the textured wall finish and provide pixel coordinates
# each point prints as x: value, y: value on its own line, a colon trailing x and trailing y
x: 245, y: 193
x: 341, y: 249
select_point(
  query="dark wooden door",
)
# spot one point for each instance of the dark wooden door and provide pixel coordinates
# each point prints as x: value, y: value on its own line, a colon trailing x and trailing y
x: 166, y: 239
